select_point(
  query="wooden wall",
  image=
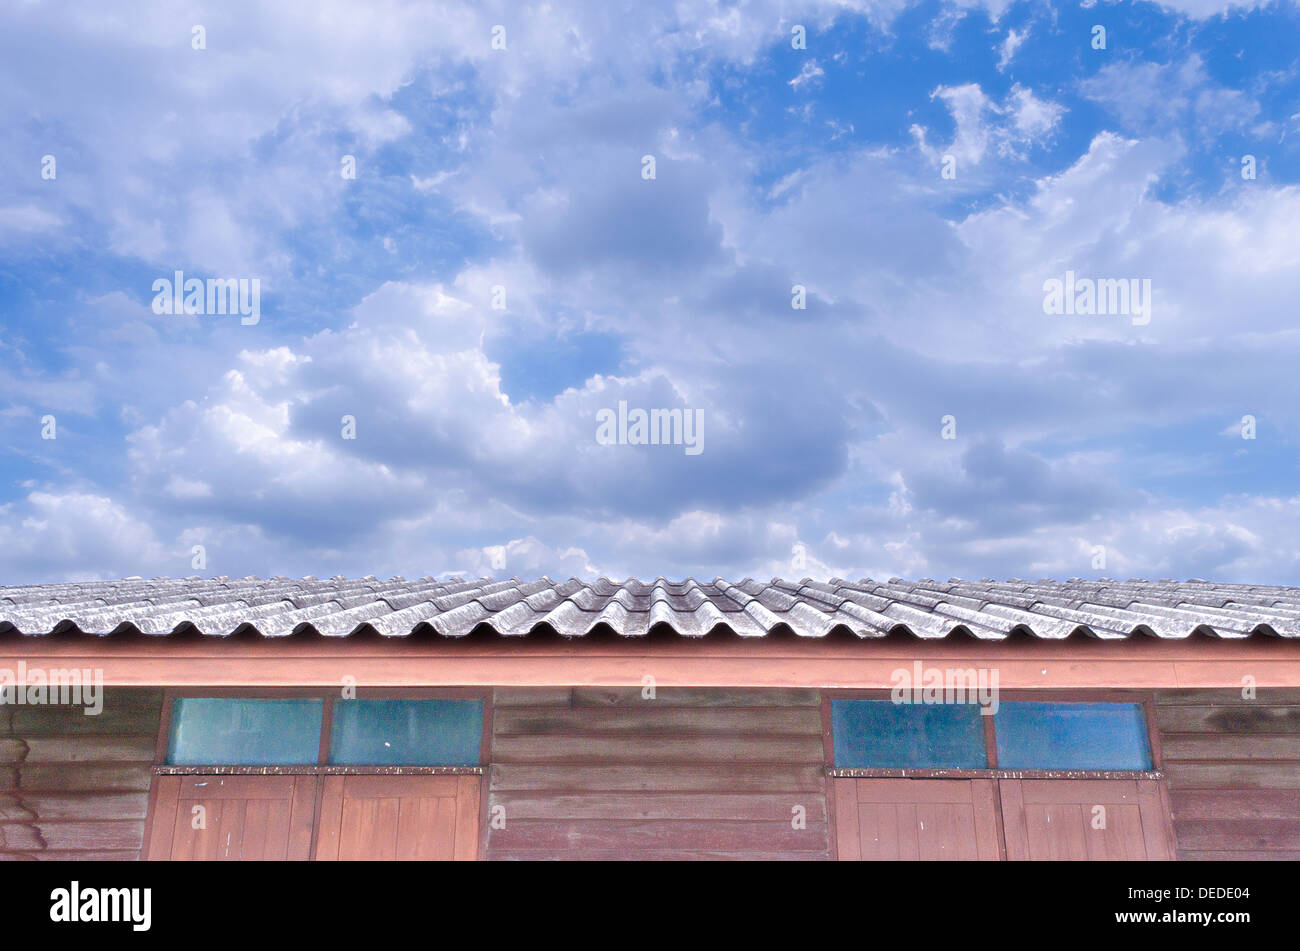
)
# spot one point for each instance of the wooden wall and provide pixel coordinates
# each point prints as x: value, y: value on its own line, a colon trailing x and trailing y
x: 600, y: 773
x: 76, y: 786
x: 694, y: 773
x: 1233, y: 769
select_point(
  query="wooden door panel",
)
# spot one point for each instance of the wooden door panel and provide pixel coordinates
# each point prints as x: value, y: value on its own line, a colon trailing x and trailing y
x: 238, y: 818
x: 916, y: 819
x: 398, y: 817
x: 1084, y: 820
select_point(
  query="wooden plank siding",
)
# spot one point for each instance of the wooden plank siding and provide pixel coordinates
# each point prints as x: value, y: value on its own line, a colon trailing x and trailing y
x: 696, y: 773
x: 1084, y: 820
x: 433, y: 818
x: 1233, y: 768
x: 74, y: 786
x: 245, y: 817
x: 917, y: 819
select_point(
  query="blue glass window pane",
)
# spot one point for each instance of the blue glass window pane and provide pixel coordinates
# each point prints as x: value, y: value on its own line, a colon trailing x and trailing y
x: 886, y: 735
x: 406, y: 732
x: 220, y: 731
x: 1036, y: 735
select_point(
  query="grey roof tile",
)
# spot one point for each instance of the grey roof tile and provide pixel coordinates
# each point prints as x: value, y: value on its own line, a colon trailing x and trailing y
x: 395, y: 607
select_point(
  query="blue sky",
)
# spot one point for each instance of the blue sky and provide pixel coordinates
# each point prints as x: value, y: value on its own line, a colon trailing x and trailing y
x: 1084, y: 445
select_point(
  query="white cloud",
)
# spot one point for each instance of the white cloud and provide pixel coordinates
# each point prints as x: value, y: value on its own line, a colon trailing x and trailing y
x: 942, y: 27
x: 1007, y: 49
x: 526, y: 558
x: 1034, y: 119
x: 24, y: 219
x: 1205, y: 9
x: 1020, y: 120
x: 1162, y: 99
x: 74, y: 535
x: 809, y: 75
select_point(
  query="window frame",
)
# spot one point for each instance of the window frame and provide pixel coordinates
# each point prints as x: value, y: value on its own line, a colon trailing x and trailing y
x: 322, y: 766
x: 165, y: 738
x: 1144, y: 699
x: 984, y: 725
x: 1144, y: 714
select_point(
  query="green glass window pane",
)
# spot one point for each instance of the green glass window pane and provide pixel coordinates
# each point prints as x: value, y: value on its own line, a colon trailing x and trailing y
x: 221, y: 731
x: 1039, y: 735
x: 406, y: 732
x: 882, y: 734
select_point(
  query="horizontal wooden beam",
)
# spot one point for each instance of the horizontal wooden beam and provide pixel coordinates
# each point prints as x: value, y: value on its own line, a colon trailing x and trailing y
x: 1020, y: 664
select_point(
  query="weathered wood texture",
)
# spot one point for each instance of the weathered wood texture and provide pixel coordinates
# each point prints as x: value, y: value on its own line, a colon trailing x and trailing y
x: 1234, y: 772
x: 232, y: 818
x: 74, y: 786
x: 1084, y: 820
x: 709, y: 773
x: 917, y: 819
x: 432, y: 818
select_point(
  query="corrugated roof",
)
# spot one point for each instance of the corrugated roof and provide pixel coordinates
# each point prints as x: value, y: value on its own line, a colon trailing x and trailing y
x: 337, y: 607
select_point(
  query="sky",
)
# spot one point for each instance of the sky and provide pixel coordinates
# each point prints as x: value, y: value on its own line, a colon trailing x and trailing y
x: 828, y: 231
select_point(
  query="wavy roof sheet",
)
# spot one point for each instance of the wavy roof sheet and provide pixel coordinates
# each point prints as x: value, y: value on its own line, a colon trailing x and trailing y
x: 338, y: 607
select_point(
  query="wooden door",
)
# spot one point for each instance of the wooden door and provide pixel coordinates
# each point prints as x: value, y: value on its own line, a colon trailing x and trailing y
x: 232, y: 818
x: 399, y: 817
x: 911, y: 819
x: 1085, y: 819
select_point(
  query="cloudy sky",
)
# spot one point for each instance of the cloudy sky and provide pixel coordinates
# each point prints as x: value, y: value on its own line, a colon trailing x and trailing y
x: 502, y: 267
